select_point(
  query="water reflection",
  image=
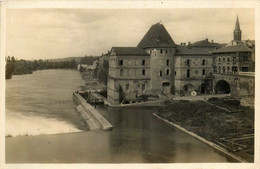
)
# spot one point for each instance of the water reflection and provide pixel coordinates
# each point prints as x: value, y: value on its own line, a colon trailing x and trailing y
x: 138, y: 136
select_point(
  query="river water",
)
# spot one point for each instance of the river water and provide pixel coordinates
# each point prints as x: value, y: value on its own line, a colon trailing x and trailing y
x: 41, y: 104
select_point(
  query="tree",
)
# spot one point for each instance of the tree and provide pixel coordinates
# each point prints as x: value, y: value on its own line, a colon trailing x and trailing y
x: 9, y: 67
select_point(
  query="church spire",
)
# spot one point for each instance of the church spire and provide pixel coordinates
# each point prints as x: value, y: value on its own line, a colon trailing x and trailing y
x: 237, y: 32
x: 237, y: 28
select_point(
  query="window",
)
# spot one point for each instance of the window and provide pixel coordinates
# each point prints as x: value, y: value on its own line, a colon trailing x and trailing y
x: 224, y: 69
x: 120, y: 62
x: 203, y: 62
x: 143, y: 72
x: 143, y: 86
x: 127, y: 86
x: 203, y: 72
x: 175, y: 73
x: 234, y: 69
x: 228, y: 69
x: 160, y: 73
x: 219, y: 59
x: 143, y: 62
x: 219, y: 69
x: 245, y: 69
x: 167, y: 62
x: 166, y: 51
x: 161, y: 51
x: 224, y: 59
x: 188, y: 62
x: 167, y: 72
x: 244, y: 58
x: 121, y: 72
x: 188, y: 73
x: 228, y: 59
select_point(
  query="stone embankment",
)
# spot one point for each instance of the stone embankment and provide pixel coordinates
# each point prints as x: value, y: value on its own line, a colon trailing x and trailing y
x: 92, y: 117
x: 220, y: 149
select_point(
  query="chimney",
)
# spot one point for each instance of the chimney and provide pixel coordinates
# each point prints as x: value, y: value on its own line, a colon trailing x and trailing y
x: 212, y: 41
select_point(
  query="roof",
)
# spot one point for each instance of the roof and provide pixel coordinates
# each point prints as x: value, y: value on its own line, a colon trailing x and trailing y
x: 157, y: 36
x: 204, y: 43
x: 181, y: 50
x: 126, y: 51
x: 237, y: 28
x: 235, y: 48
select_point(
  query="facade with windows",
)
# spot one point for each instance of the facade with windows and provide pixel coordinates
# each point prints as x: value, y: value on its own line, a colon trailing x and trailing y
x: 233, y: 59
x: 159, y: 44
x: 129, y: 74
x: 143, y: 70
x: 193, y: 69
x: 157, y: 66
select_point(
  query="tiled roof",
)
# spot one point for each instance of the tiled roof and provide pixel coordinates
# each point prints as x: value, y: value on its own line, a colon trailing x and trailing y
x: 235, y: 48
x: 181, y: 50
x: 157, y: 36
x: 204, y: 43
x: 126, y: 51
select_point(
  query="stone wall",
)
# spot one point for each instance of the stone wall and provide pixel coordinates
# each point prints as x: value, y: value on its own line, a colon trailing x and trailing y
x: 162, y: 66
x: 240, y: 85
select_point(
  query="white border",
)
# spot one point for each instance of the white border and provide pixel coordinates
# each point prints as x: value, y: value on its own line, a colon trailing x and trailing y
x: 8, y: 4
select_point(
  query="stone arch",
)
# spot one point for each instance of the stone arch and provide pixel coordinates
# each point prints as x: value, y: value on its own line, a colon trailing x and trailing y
x: 187, y: 89
x: 222, y: 87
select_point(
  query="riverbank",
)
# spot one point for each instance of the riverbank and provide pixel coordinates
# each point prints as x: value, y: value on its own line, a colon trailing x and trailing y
x: 91, y: 83
x: 231, y: 130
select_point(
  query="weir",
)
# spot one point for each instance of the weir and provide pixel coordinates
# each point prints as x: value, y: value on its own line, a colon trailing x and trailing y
x: 92, y: 117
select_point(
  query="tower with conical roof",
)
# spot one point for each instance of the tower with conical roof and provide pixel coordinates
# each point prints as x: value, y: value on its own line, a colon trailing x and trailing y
x: 159, y: 44
x: 237, y: 32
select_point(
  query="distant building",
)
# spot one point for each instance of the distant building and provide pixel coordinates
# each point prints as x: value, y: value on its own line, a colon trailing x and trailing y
x: 86, y: 67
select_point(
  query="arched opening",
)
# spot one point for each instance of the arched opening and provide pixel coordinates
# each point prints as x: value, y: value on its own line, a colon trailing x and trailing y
x: 222, y: 87
x: 187, y: 89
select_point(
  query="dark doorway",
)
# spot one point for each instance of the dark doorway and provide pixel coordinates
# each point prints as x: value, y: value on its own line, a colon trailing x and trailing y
x: 166, y: 88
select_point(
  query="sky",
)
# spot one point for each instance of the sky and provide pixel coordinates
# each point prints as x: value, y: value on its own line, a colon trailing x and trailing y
x: 58, y: 33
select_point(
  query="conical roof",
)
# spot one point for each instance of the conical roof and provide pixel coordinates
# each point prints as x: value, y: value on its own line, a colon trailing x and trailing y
x: 237, y: 28
x: 157, y: 36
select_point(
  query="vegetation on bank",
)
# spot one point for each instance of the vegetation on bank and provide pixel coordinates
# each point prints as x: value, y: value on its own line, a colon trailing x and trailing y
x: 19, y: 67
x: 232, y: 130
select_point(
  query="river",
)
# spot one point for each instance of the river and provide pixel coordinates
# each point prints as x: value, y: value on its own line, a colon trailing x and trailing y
x: 41, y: 104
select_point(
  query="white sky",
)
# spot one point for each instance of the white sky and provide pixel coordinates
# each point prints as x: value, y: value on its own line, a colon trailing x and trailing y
x: 58, y: 33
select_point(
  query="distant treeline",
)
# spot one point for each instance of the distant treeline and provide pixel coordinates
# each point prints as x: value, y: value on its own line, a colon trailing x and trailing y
x: 19, y: 67
x: 88, y: 60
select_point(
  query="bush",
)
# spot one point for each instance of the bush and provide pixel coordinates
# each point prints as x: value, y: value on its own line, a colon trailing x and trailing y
x: 232, y: 102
